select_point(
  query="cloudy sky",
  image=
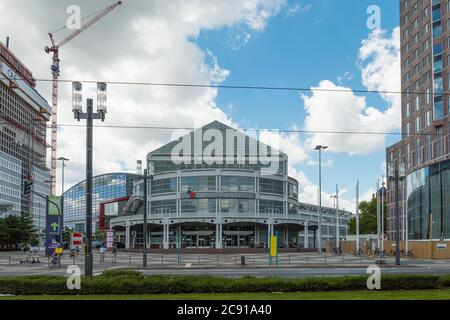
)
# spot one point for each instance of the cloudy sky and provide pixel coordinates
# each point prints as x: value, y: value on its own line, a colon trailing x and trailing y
x: 322, y: 44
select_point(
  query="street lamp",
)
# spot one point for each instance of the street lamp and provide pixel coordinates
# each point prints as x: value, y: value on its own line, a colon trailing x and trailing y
x: 61, y: 219
x: 320, y: 148
x: 89, y: 116
x: 396, y: 172
x: 63, y: 165
x: 336, y: 207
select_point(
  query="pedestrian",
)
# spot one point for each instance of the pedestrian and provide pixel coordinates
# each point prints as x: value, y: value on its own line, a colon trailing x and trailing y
x: 102, y: 253
x: 114, y: 253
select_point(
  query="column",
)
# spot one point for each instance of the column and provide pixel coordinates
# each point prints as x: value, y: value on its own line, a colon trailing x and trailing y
x: 315, y: 240
x: 286, y: 236
x: 165, y: 236
x: 305, y: 236
x: 218, y: 236
x: 148, y: 237
x: 127, y: 237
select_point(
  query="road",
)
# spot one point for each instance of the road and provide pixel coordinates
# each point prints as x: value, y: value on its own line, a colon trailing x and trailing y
x: 289, y: 265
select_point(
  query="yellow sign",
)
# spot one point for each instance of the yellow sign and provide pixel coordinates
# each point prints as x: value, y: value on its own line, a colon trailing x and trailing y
x: 273, y: 246
x: 58, y: 250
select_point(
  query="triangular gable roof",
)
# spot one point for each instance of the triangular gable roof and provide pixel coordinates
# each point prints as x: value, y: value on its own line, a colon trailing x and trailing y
x: 166, y: 149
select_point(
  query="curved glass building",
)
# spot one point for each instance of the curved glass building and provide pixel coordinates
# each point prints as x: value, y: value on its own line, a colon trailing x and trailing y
x: 105, y: 188
x: 428, y: 197
x: 219, y: 188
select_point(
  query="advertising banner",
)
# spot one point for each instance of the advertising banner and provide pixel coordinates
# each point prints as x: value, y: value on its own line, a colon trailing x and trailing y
x: 54, y: 223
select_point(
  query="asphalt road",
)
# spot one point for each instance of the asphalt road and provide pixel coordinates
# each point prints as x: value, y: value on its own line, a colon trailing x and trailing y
x: 297, y: 265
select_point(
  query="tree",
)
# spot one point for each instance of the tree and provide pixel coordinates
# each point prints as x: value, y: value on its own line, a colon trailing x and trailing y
x: 367, y: 218
x: 100, y: 235
x: 17, y: 229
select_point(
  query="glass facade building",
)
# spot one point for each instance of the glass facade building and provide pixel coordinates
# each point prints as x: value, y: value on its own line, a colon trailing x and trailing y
x: 23, y: 117
x: 236, y: 199
x: 428, y: 197
x: 425, y: 87
x: 105, y: 187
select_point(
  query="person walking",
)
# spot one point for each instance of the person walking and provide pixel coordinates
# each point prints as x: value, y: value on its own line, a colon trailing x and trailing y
x: 114, y: 253
x: 102, y: 253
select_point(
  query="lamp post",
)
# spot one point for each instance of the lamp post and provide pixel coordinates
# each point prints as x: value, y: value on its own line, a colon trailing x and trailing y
x: 63, y: 165
x: 396, y: 172
x: 320, y: 148
x: 89, y: 116
x: 382, y: 215
x: 335, y: 197
x: 145, y: 235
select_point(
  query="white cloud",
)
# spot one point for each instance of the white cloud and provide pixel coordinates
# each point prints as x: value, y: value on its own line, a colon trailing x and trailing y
x: 379, y: 61
x: 295, y: 8
x: 309, y: 193
x: 141, y: 41
x: 347, y: 76
x: 289, y: 143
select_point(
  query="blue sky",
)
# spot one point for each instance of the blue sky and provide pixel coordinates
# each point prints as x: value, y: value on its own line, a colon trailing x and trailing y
x: 299, y: 51
x: 169, y: 41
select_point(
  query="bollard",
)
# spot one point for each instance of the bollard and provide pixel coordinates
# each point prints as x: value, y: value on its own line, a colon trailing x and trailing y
x: 217, y: 259
x: 9, y: 262
x: 307, y: 261
x: 242, y: 260
x: 162, y: 259
x: 325, y: 256
x: 198, y: 259
x: 289, y: 259
x: 129, y: 260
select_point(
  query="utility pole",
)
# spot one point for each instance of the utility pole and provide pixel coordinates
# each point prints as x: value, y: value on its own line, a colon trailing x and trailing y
x: 382, y: 215
x: 357, y: 218
x: 396, y: 172
x: 320, y: 148
x: 378, y: 213
x: 89, y: 116
x: 63, y: 165
x: 337, y: 218
x: 145, y: 231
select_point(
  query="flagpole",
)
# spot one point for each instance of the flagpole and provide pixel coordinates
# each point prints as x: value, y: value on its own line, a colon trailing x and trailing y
x: 357, y: 218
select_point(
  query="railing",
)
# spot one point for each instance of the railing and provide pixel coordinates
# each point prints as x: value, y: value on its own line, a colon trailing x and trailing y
x: 18, y: 263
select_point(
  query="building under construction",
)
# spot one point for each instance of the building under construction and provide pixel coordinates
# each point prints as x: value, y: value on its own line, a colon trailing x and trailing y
x: 23, y: 119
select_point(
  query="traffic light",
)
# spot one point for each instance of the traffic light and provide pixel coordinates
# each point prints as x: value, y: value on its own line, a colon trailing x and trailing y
x: 27, y: 186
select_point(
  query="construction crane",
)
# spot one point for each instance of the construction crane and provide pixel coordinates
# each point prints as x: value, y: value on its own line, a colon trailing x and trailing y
x: 54, y: 49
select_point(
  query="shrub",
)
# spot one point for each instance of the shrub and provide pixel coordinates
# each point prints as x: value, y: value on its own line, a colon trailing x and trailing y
x: 131, y: 282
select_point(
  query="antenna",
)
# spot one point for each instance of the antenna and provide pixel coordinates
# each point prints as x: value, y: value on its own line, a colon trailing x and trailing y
x: 7, y: 42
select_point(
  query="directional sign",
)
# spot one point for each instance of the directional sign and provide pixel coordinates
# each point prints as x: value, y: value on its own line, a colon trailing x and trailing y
x: 54, y: 223
x: 54, y: 226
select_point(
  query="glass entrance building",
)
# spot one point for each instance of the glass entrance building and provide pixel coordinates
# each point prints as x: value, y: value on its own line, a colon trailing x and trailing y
x: 219, y: 188
x: 428, y: 196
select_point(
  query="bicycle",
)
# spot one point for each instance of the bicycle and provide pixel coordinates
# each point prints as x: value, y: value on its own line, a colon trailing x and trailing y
x: 31, y: 258
x: 53, y: 261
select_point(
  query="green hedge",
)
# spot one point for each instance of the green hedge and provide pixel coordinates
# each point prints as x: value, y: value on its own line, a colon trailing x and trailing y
x: 129, y: 282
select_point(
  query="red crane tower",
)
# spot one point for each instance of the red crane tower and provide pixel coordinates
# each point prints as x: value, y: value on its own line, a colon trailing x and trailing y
x: 55, y: 74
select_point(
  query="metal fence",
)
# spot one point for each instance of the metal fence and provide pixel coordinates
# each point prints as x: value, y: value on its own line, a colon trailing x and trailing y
x: 190, y: 260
